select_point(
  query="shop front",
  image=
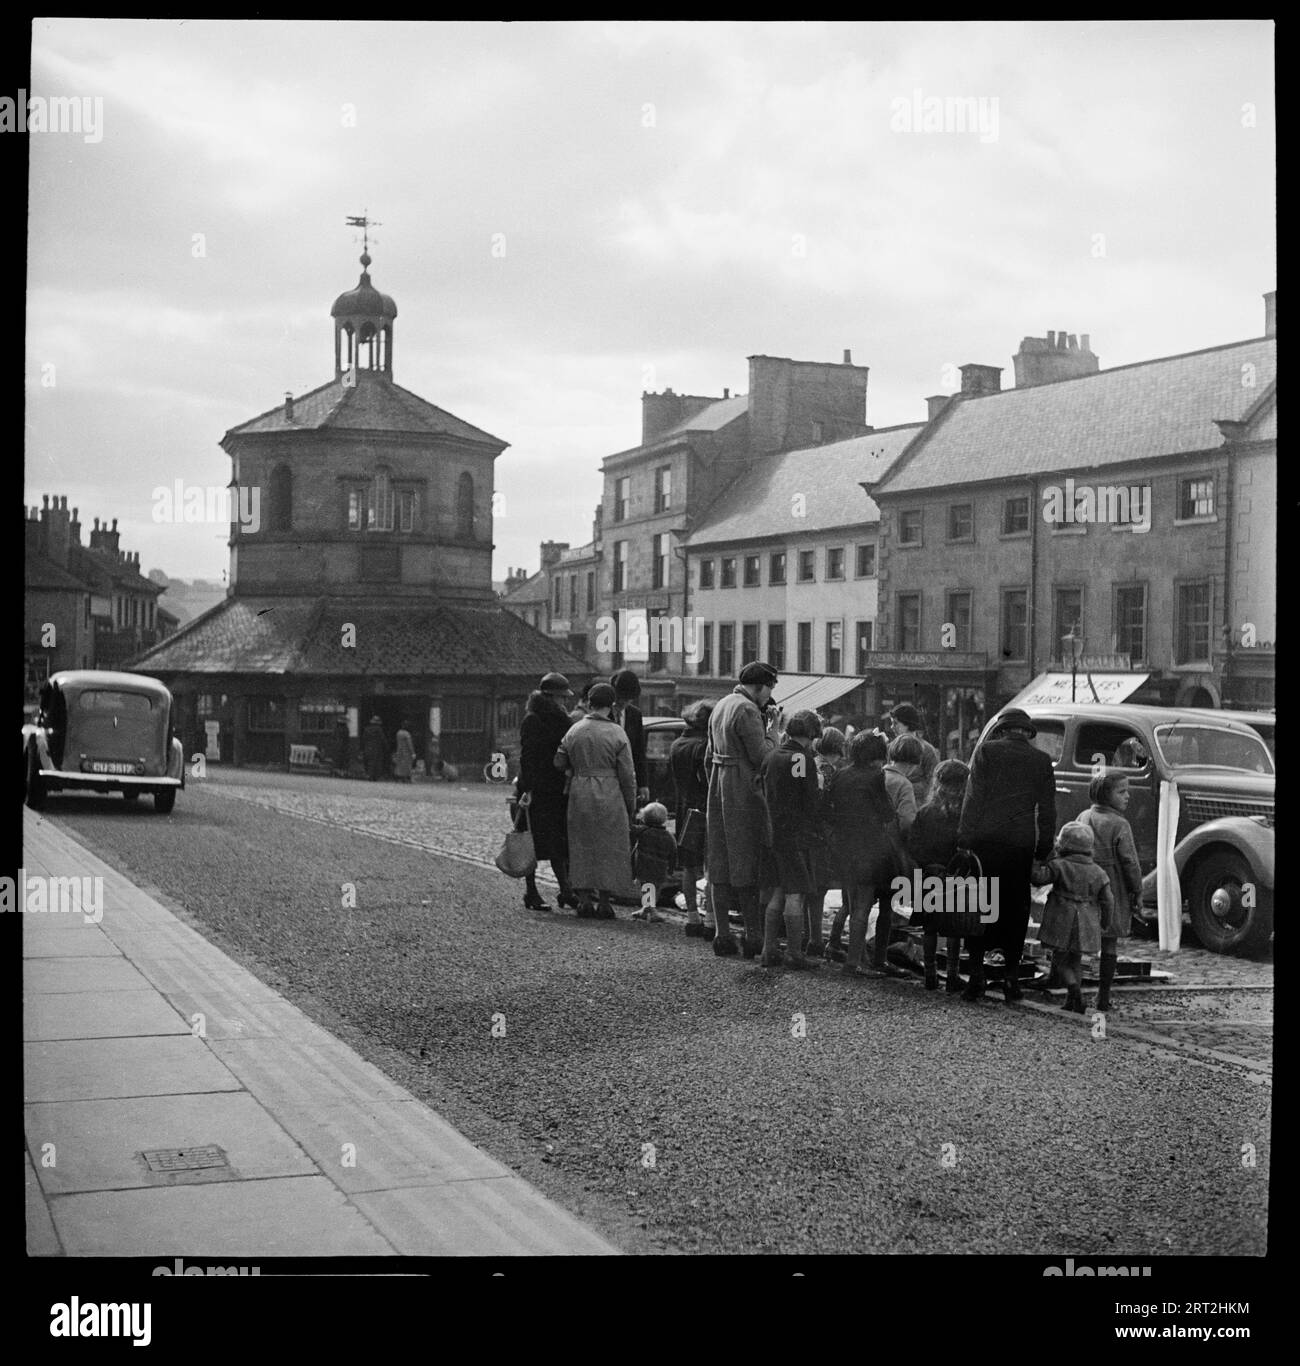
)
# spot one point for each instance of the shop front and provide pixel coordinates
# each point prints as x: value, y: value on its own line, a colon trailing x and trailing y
x: 952, y: 690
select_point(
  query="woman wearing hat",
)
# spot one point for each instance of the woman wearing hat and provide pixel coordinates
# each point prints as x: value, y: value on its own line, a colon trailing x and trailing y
x: 602, y: 800
x: 627, y: 689
x: 1008, y: 820
x: 739, y: 739
x: 541, y: 785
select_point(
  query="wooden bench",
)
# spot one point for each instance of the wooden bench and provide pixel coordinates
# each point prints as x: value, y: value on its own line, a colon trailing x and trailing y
x: 303, y: 756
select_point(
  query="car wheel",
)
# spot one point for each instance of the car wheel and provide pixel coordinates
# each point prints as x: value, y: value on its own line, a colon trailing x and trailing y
x: 35, y: 793
x: 164, y: 801
x: 1219, y: 897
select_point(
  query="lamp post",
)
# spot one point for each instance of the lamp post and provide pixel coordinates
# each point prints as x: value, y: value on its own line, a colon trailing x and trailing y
x: 1074, y: 643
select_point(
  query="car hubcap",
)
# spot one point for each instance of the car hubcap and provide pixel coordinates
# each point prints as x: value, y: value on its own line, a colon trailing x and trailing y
x: 1225, y: 903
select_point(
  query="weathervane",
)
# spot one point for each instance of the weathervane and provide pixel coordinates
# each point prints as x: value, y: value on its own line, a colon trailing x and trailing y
x: 365, y: 224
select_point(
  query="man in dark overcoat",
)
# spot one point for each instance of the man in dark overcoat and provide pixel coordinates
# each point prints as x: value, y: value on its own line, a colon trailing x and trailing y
x: 1008, y: 819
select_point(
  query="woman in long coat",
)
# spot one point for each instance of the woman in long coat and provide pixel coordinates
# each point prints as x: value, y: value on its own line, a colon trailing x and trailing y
x: 739, y: 740
x: 686, y: 762
x: 602, y: 801
x: 544, y: 725
x: 403, y: 755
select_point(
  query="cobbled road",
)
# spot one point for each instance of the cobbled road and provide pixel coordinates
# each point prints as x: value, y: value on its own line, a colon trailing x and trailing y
x: 684, y: 1103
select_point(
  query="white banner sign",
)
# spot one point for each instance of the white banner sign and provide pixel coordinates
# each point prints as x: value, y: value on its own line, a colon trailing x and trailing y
x: 1047, y: 689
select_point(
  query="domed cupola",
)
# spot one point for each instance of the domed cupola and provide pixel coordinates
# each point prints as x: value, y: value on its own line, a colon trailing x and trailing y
x: 363, y: 327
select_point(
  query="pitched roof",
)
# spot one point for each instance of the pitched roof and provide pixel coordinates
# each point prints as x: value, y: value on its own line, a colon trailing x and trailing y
x: 1134, y: 412
x: 761, y: 500
x: 533, y: 589
x: 711, y: 419
x: 101, y: 571
x: 276, y: 635
x: 40, y: 572
x: 373, y: 404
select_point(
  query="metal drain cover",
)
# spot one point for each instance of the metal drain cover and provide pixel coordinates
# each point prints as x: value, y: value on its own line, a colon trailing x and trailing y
x: 184, y: 1159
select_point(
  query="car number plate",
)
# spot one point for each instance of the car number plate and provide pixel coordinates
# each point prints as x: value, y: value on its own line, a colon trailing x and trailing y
x: 109, y: 766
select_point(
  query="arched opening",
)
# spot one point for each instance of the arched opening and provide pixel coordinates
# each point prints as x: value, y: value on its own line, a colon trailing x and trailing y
x: 465, y: 507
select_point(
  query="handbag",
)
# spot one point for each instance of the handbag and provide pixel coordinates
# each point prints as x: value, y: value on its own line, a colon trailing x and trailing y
x: 517, y: 857
x: 693, y: 838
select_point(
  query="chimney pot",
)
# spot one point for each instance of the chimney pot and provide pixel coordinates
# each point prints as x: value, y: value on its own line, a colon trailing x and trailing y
x: 46, y: 497
x: 114, y: 523
x: 848, y: 356
x: 96, y: 523
x: 726, y: 393
x: 1051, y: 339
x: 1062, y: 341
x: 1086, y: 345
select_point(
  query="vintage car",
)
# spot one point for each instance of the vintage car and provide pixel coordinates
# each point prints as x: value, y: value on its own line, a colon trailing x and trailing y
x: 1225, y: 776
x: 107, y: 732
x: 660, y: 732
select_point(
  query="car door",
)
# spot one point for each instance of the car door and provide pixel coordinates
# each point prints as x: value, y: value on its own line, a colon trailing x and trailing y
x: 1122, y: 745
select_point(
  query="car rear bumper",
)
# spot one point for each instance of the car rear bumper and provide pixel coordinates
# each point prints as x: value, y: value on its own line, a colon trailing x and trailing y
x: 108, y: 782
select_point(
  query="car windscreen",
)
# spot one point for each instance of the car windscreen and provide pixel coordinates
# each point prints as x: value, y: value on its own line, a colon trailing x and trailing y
x: 119, y: 703
x: 1187, y: 744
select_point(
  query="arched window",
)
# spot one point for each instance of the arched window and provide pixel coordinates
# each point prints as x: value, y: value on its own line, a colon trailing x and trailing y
x: 281, y: 518
x: 381, y: 501
x: 465, y: 507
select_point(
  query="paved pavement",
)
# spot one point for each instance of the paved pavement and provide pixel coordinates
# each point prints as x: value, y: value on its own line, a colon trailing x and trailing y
x: 146, y: 1049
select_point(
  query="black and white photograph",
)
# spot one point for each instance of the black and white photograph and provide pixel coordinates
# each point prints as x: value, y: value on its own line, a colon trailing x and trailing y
x: 649, y: 638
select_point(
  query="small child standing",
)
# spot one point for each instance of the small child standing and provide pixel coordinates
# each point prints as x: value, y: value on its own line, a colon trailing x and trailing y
x: 1079, y: 903
x: 1116, y: 855
x: 933, y: 842
x: 654, y: 855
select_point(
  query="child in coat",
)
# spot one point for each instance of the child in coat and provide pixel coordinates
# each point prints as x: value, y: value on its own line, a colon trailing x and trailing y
x: 654, y: 855
x: 933, y: 842
x: 1079, y: 903
x: 1116, y: 855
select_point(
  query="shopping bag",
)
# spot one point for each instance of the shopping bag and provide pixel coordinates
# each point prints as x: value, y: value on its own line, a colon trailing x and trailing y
x: 517, y: 857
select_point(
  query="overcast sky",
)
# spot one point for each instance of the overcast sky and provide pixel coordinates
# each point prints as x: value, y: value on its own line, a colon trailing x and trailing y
x: 674, y: 197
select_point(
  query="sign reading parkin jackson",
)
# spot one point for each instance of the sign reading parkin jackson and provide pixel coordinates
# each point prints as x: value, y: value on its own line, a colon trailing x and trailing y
x: 1088, y: 687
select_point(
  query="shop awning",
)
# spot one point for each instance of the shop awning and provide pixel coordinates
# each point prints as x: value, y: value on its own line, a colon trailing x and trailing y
x: 1054, y: 687
x: 807, y: 692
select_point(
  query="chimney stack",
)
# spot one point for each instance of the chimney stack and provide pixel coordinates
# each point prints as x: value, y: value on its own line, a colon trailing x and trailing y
x: 1058, y: 355
x: 934, y: 405
x: 980, y: 379
x: 1270, y: 313
x: 288, y: 406
x: 848, y: 356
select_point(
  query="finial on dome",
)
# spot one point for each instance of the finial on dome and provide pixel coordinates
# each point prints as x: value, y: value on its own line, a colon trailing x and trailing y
x: 365, y: 259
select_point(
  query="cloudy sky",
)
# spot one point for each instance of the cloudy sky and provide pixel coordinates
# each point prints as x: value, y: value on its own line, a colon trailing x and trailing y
x: 671, y: 198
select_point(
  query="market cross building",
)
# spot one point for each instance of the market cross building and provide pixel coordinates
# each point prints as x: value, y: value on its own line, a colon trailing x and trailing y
x: 366, y: 589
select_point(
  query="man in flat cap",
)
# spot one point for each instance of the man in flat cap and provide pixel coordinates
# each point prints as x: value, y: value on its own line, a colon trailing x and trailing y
x: 740, y: 736
x: 1008, y: 820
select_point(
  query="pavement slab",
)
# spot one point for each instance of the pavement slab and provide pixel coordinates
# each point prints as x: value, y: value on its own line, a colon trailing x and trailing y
x: 302, y: 1129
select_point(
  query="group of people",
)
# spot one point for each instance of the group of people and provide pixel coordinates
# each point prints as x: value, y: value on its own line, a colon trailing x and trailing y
x: 778, y: 810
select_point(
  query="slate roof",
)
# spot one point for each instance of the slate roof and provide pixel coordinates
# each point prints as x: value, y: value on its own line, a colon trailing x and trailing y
x: 373, y: 404
x: 711, y: 419
x: 533, y: 589
x: 276, y: 635
x: 100, y: 571
x: 759, y: 502
x: 1134, y: 412
x: 40, y: 572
